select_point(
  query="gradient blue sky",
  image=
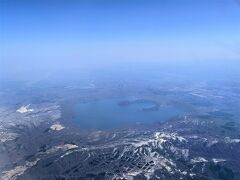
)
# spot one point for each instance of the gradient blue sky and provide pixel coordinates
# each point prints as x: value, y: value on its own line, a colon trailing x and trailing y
x: 59, y: 33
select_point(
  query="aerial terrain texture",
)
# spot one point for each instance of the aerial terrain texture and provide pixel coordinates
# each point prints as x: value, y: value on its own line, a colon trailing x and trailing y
x: 119, y: 89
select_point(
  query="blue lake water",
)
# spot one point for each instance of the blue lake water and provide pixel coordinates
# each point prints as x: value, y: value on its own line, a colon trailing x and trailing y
x: 106, y: 114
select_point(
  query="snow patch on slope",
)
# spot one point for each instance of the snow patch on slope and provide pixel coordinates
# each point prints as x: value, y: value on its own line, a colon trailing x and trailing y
x: 18, y: 170
x: 57, y: 127
x: 162, y: 136
x: 229, y: 140
x: 198, y: 160
x: 24, y: 109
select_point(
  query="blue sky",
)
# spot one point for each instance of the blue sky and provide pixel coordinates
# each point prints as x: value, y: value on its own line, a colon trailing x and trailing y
x: 73, y: 32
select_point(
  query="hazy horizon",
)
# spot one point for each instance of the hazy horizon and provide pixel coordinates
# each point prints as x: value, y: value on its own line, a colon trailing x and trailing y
x: 45, y: 37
